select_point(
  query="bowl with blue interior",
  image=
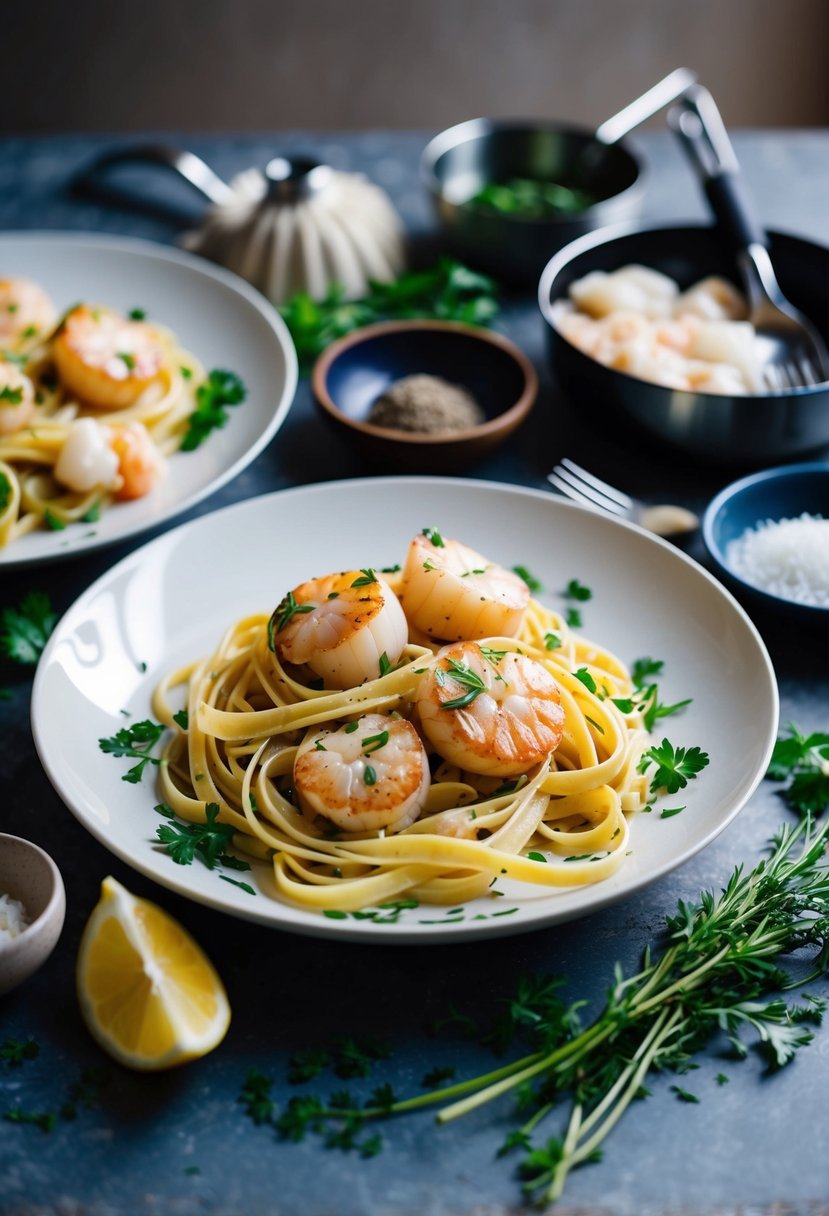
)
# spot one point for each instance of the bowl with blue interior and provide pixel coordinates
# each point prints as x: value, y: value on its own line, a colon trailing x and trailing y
x: 768, y: 537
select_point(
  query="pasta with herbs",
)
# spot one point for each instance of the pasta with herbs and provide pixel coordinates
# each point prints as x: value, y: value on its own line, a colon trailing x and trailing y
x: 413, y: 734
x: 91, y: 403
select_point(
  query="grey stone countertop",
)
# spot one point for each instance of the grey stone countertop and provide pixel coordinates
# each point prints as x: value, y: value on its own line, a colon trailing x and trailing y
x: 179, y: 1143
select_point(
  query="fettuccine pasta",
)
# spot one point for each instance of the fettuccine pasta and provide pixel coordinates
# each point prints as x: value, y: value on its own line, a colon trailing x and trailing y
x: 454, y: 760
x: 90, y: 406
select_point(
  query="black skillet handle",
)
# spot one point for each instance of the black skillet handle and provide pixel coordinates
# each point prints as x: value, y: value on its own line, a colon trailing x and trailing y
x: 697, y: 122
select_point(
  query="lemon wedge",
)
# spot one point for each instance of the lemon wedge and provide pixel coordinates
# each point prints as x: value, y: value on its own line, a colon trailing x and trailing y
x: 147, y: 991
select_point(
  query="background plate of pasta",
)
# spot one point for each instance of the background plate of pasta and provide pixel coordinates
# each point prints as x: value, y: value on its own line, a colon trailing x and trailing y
x: 418, y: 707
x: 134, y: 381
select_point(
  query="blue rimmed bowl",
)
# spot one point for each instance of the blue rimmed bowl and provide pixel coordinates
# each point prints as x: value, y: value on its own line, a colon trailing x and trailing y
x: 774, y: 494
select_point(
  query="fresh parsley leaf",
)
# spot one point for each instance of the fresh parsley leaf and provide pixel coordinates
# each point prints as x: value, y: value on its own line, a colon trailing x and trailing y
x: 577, y: 591
x: 447, y: 291
x: 532, y: 582
x: 220, y: 389
x: 208, y: 841
x: 642, y: 670
x: 584, y: 676
x: 435, y: 537
x: 53, y: 522
x: 24, y: 630
x: 182, y: 719
x: 572, y: 618
x: 5, y: 492
x: 805, y: 760
x: 675, y: 767
x: 136, y: 741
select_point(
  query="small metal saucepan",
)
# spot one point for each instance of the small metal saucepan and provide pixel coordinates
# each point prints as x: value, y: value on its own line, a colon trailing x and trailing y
x: 460, y: 161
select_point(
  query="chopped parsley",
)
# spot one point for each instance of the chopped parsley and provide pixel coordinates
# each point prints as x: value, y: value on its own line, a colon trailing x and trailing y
x: 220, y: 389
x: 532, y: 582
x: 804, y: 761
x: 135, y: 741
x: 577, y: 591
x: 11, y: 396
x: 209, y: 841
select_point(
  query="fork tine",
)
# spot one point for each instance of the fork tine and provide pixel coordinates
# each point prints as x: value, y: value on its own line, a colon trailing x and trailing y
x: 609, y: 491
x: 573, y: 491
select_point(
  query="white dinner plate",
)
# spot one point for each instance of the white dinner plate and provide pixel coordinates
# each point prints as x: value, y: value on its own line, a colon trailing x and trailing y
x: 171, y: 600
x: 215, y: 315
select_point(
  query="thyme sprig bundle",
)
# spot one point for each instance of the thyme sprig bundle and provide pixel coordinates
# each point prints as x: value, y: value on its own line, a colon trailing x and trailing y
x: 719, y: 971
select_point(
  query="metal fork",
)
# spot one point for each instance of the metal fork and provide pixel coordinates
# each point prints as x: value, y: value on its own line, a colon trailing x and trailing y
x: 790, y: 352
x: 581, y: 486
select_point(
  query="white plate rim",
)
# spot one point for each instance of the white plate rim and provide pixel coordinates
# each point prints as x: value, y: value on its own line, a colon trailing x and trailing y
x: 281, y: 915
x: 13, y: 558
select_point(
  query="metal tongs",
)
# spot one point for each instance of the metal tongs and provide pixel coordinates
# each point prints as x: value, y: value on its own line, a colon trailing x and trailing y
x: 791, y: 352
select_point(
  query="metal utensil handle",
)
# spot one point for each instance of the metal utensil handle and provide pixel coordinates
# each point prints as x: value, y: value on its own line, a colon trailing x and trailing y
x: 187, y: 165
x: 656, y: 98
x: 697, y: 122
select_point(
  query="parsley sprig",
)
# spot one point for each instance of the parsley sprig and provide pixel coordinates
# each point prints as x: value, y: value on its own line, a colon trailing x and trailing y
x: 24, y: 630
x: 675, y: 766
x: 448, y: 291
x: 209, y: 841
x: 137, y: 742
x: 803, y: 760
x: 221, y: 388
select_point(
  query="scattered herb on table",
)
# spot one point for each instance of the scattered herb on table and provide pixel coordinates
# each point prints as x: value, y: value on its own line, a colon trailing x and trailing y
x: 24, y: 630
x: 448, y: 291
x: 137, y: 742
x: 220, y: 389
x: 15, y: 1051
x: 719, y: 971
x: 803, y: 761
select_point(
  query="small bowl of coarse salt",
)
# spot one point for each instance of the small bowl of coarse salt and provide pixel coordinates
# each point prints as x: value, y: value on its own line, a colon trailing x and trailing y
x: 768, y: 534
x: 32, y: 909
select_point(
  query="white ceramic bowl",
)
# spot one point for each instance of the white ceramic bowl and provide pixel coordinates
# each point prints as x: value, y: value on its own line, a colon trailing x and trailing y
x: 29, y: 875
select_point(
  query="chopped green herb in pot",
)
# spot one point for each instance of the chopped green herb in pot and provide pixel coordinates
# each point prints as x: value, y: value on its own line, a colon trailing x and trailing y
x: 530, y: 199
